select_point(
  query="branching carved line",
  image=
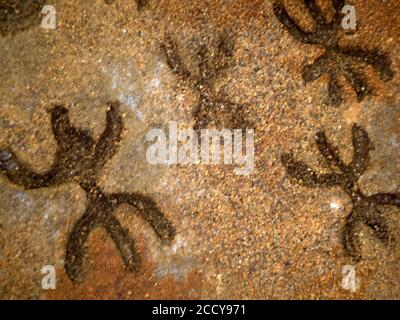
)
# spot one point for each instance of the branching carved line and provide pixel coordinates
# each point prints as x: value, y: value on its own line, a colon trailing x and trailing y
x: 80, y: 159
x: 211, y: 109
x: 366, y: 209
x: 336, y: 61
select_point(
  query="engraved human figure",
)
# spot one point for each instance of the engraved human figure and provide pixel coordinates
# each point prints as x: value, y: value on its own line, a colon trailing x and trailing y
x: 212, y: 110
x: 336, y: 61
x: 366, y: 209
x: 79, y: 158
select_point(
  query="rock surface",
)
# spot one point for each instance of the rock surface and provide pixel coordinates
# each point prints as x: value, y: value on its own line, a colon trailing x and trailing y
x: 257, y: 236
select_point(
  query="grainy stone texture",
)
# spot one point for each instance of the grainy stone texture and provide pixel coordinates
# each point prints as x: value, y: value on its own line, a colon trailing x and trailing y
x: 258, y: 236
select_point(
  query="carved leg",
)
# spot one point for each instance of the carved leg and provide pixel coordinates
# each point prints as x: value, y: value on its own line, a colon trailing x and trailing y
x: 334, y: 92
x: 148, y: 210
x: 359, y: 84
x: 75, y: 253
x: 374, y: 219
x: 350, y: 239
x: 124, y: 242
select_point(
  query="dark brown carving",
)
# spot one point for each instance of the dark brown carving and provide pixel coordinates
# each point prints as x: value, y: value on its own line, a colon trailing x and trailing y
x: 80, y: 159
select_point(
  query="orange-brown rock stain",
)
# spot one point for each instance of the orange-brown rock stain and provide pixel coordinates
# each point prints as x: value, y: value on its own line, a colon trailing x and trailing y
x: 105, y: 277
